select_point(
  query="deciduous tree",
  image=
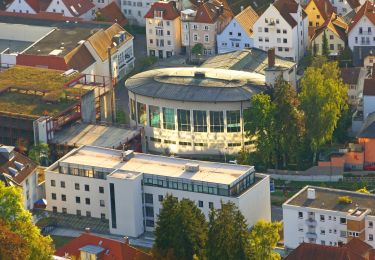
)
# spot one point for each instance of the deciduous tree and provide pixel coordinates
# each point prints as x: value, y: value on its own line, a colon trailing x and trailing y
x: 12, y: 245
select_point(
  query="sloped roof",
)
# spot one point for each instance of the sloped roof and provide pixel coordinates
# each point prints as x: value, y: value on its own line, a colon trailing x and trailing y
x: 112, y: 13
x: 170, y: 11
x: 368, y: 128
x: 354, y: 3
x: 78, y: 7
x: 369, y: 87
x: 247, y: 19
x: 102, y: 39
x: 325, y: 7
x: 285, y: 8
x: 29, y: 167
x: 79, y: 58
x: 308, y: 251
x: 335, y: 24
x: 368, y: 10
x: 209, y: 11
x: 350, y: 75
x: 113, y: 249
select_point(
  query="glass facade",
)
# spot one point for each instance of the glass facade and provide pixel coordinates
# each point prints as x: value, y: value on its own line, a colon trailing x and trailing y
x: 168, y: 118
x: 233, y: 121
x: 183, y: 118
x: 77, y: 170
x: 142, y: 113
x: 216, y: 121
x: 200, y: 121
x: 154, y: 113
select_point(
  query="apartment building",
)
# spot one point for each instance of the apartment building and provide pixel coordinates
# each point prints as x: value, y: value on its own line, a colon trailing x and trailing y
x: 163, y: 27
x: 201, y: 25
x: 128, y: 188
x: 283, y: 26
x: 361, y: 31
x: 239, y: 32
x: 328, y: 217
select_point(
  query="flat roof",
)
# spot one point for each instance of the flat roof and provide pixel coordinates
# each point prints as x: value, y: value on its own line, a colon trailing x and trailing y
x: 212, y: 172
x: 328, y: 199
x: 79, y: 134
x: 13, y: 46
x: 197, y: 84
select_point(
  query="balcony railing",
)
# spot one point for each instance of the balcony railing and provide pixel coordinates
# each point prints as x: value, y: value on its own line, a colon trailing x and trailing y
x: 311, y: 235
x: 311, y: 222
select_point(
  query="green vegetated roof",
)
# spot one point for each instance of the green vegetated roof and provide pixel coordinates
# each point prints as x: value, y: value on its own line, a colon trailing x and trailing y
x: 46, y: 96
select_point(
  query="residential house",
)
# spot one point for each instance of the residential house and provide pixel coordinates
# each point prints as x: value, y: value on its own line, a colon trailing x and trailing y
x: 90, y: 246
x: 83, y: 9
x: 361, y: 31
x: 366, y: 137
x: 283, y: 26
x: 354, y: 78
x: 239, y: 32
x: 100, y: 4
x: 163, y: 27
x: 364, y: 56
x: 202, y: 25
x: 318, y: 11
x: 112, y: 13
x: 344, y: 7
x: 328, y: 216
x: 334, y: 30
x: 19, y: 170
x: 356, y: 249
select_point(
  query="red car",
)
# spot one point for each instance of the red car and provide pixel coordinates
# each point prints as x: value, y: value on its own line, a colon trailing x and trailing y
x: 369, y: 167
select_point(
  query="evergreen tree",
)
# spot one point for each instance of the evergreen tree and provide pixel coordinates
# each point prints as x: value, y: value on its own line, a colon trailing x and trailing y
x: 181, y: 231
x: 325, y: 47
x: 227, y: 234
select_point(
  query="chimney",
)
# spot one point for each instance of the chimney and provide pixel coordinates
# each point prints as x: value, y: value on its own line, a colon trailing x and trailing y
x: 271, y: 57
x: 311, y: 194
x: 241, y: 8
x: 87, y: 230
x: 126, y: 240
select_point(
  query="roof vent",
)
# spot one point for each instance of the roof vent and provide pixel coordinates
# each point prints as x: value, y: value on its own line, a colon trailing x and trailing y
x: 12, y: 171
x: 127, y: 155
x: 311, y: 195
x: 100, y: 243
x: 191, y: 167
x: 199, y: 75
x: 19, y: 165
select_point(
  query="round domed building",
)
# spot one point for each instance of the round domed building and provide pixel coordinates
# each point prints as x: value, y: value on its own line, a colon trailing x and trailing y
x: 193, y: 111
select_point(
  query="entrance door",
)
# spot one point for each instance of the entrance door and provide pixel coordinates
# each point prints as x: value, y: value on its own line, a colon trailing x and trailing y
x: 160, y: 54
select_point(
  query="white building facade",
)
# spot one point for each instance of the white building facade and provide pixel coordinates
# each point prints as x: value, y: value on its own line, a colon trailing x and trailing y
x: 283, y: 29
x: 135, y: 11
x: 332, y: 222
x: 128, y: 188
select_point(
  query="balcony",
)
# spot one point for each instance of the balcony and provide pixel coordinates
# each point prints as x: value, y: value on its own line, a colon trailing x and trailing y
x: 311, y: 222
x: 311, y: 235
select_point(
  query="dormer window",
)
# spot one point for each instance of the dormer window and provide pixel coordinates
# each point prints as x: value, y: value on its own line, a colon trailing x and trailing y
x: 158, y: 14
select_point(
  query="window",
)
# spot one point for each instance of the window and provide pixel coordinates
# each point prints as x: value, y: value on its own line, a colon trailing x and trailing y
x: 259, y: 29
x: 168, y: 118
x: 277, y: 21
x: 154, y: 116
x: 76, y: 186
x: 53, y: 195
x: 322, y: 242
x: 206, y: 27
x: 322, y: 231
x: 53, y: 183
x: 149, y: 223
x: 78, y: 212
x: 87, y: 201
x: 265, y: 29
x: 239, y: 34
x: 101, y: 189
x: 62, y: 184
x: 233, y: 121
x: 285, y: 40
x: 370, y: 237
x: 101, y: 203
x: 216, y: 121
x: 342, y: 233
x: 280, y: 48
x: 211, y: 205
x: 78, y: 199
x: 284, y: 31
x: 183, y: 117
x: 63, y: 197
x: 278, y: 31
x: 149, y: 211
x: 64, y: 211
x: 370, y: 224
x: 206, y: 39
x: 195, y: 27
x: 278, y: 40
x: 102, y: 216
x: 322, y: 218
x: 195, y: 37
x: 200, y: 204
x: 200, y: 121
x: 260, y: 39
x: 331, y: 37
x: 342, y: 220
x: 300, y: 228
x: 88, y: 214
x: 160, y: 198
x: 142, y: 113
x: 149, y: 198
x: 54, y: 209
x: 266, y: 39
x: 300, y: 214
x: 87, y: 187
x: 331, y: 47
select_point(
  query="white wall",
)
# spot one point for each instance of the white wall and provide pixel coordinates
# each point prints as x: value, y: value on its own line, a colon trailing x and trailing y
x: 29, y: 189
x: 227, y: 42
x: 135, y: 11
x: 20, y: 6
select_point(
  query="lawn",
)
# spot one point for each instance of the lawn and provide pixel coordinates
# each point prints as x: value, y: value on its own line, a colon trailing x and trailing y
x: 60, y: 241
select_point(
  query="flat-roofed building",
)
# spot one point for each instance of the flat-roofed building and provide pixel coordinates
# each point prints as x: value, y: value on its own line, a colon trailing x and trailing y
x: 193, y: 111
x: 128, y: 188
x: 328, y: 217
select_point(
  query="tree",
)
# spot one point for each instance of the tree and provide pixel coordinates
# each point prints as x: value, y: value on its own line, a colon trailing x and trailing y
x: 346, y: 57
x: 12, y: 245
x: 263, y: 239
x: 19, y: 221
x: 181, y: 230
x: 323, y: 99
x: 227, y: 234
x: 39, y: 153
x: 197, y: 49
x: 325, y: 48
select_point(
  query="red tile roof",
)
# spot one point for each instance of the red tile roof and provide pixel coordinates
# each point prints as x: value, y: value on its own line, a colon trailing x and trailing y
x: 209, y: 11
x: 285, y: 8
x: 112, y: 13
x: 113, y: 249
x: 78, y: 7
x: 368, y: 10
x: 169, y: 9
x: 335, y: 24
x: 357, y: 250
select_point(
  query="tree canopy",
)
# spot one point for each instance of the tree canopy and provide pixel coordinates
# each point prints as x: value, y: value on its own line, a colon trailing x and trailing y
x: 18, y: 221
